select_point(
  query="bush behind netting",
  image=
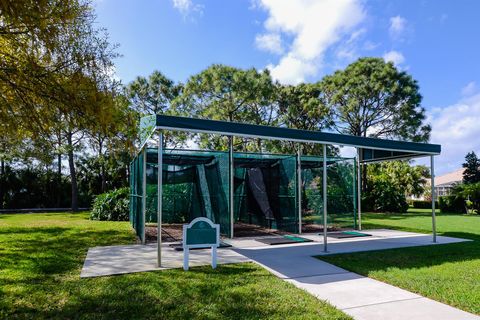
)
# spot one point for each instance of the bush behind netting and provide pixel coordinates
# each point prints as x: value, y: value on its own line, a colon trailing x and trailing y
x: 111, y: 206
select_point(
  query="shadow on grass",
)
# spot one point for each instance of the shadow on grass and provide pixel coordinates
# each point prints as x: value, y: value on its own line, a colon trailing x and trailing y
x: 39, y: 253
x: 174, y: 294
x: 40, y: 268
x: 237, y: 291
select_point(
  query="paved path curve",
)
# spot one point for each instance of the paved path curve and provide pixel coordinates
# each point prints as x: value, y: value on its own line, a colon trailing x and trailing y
x: 358, y: 296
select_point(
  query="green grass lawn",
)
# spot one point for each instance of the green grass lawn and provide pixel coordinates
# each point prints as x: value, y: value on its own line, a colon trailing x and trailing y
x: 447, y: 273
x: 41, y: 256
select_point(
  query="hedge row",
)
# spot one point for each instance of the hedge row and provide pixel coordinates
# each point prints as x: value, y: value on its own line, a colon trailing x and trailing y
x: 422, y: 204
x: 452, y: 204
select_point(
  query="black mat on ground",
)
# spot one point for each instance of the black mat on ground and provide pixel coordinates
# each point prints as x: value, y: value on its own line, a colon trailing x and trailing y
x: 347, y: 234
x: 179, y: 246
x: 283, y: 240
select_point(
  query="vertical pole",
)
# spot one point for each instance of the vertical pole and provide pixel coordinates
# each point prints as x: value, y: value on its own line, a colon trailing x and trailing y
x: 159, y: 197
x: 325, y: 198
x: 299, y: 188
x: 359, y: 191
x: 434, y: 222
x: 144, y: 191
x: 231, y: 186
x: 354, y: 192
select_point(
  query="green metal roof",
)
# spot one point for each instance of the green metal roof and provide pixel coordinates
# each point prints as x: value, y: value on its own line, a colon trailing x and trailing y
x: 373, y: 149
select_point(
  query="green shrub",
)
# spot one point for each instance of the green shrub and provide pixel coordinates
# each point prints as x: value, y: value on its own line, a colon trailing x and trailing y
x: 470, y: 193
x: 384, y: 197
x: 451, y: 204
x: 111, y: 206
x: 423, y: 204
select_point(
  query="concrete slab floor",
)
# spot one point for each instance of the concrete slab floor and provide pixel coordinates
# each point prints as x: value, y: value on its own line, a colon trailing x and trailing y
x: 112, y: 260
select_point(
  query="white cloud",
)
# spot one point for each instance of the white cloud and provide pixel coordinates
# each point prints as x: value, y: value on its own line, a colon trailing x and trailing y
x: 369, y: 45
x: 394, y: 56
x: 292, y: 70
x: 348, y: 51
x: 270, y: 42
x: 187, y: 7
x: 398, y: 25
x: 469, y: 89
x: 456, y: 128
x: 314, y: 26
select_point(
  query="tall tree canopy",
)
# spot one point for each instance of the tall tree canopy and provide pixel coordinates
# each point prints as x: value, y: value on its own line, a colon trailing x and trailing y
x: 226, y: 93
x: 471, y: 174
x: 152, y: 95
x: 372, y: 97
x: 55, y: 76
x: 300, y: 107
x: 155, y: 94
x: 52, y: 58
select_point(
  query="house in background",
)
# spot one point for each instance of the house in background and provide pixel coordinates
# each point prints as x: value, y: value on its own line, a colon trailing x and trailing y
x: 445, y: 183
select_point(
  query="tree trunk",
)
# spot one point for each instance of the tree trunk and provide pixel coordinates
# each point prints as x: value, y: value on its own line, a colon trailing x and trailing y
x: 59, y: 180
x: 103, y: 178
x: 364, y: 178
x: 2, y: 179
x: 73, y: 173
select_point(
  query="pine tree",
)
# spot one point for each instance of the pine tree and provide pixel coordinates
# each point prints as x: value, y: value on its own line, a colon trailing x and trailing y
x: 472, y: 168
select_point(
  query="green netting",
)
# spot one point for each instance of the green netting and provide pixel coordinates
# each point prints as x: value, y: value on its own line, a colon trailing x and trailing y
x: 196, y: 184
x: 265, y: 190
x: 341, y: 206
x: 136, y: 195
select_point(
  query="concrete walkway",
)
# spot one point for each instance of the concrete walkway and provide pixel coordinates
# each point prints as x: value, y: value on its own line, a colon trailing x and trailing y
x: 358, y: 296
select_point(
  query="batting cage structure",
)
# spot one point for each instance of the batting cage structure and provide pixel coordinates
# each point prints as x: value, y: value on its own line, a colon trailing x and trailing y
x: 290, y: 193
x: 268, y: 191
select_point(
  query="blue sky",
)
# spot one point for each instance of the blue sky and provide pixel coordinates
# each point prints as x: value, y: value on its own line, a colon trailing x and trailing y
x: 434, y: 40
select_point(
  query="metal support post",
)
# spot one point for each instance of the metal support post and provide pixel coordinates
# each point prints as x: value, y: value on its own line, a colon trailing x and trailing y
x: 144, y: 192
x: 299, y: 188
x: 325, y: 198
x: 159, y: 197
x: 359, y: 191
x: 434, y: 220
x: 231, y: 185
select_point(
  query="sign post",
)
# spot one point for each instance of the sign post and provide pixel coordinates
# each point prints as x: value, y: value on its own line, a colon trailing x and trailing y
x: 200, y: 233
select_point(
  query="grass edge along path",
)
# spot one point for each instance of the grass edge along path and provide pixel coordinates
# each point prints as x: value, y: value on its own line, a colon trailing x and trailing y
x: 448, y: 273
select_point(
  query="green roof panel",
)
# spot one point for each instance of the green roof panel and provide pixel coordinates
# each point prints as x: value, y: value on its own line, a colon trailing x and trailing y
x: 395, y: 149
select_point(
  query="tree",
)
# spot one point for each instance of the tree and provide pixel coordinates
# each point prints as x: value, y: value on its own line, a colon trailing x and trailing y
x: 471, y: 174
x: 113, y: 138
x: 299, y: 107
x: 226, y: 93
x: 155, y: 95
x: 54, y: 72
x: 41, y: 43
x: 389, y: 184
x: 372, y: 97
x: 152, y: 95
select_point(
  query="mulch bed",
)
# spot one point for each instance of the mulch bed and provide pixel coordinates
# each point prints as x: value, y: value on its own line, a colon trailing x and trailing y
x: 173, y: 232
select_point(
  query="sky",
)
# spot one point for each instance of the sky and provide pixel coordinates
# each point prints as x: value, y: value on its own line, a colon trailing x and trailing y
x: 435, y: 41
